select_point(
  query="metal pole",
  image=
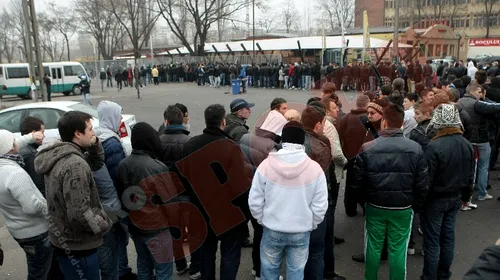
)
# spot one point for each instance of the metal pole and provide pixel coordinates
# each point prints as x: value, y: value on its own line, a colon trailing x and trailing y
x: 152, y: 49
x: 29, y: 50
x: 395, y: 41
x: 38, y: 53
x: 95, y: 58
x: 343, y: 42
x: 253, y: 30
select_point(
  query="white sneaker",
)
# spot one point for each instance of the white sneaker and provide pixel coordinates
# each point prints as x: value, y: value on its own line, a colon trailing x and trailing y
x: 486, y: 197
x: 411, y: 251
x: 195, y: 276
x: 472, y: 205
x: 465, y: 207
x: 253, y: 272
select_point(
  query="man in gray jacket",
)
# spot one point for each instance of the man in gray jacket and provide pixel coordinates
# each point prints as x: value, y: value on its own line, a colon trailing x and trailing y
x: 77, y: 221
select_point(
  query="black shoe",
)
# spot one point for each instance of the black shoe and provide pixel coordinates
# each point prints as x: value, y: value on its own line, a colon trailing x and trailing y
x: 359, y: 258
x: 338, y: 240
x: 333, y: 276
x: 129, y: 276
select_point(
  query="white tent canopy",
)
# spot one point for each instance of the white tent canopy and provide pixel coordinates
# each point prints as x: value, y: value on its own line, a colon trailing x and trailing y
x: 283, y: 44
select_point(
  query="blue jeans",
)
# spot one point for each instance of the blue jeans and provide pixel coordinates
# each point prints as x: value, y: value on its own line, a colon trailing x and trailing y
x: 316, y: 263
x: 438, y: 225
x: 483, y: 163
x: 154, y: 254
x: 274, y: 244
x: 230, y: 247
x: 113, y: 260
x: 79, y: 267
x: 38, y: 250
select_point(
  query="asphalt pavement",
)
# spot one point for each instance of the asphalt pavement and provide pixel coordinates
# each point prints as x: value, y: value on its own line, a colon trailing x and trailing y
x: 474, y: 230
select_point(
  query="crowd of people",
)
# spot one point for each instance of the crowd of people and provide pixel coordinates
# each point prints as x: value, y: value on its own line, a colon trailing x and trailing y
x: 410, y: 154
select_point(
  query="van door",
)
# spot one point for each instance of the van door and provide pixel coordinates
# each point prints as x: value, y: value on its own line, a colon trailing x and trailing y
x: 57, y: 78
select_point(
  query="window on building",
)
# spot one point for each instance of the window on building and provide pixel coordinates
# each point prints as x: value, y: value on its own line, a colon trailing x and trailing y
x: 430, y: 50
x: 445, y: 49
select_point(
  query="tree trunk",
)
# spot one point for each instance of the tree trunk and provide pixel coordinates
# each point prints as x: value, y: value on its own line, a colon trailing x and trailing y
x: 67, y: 47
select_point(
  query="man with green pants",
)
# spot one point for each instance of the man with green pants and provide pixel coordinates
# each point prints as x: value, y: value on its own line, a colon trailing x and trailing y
x: 391, y: 172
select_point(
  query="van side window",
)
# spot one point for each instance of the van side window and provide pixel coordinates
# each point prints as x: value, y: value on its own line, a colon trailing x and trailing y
x: 17, y: 72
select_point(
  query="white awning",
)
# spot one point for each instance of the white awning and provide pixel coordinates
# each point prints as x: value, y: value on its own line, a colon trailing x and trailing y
x: 283, y: 44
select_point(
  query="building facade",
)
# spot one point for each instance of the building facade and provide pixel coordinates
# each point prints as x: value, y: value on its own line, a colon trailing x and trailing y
x: 470, y: 18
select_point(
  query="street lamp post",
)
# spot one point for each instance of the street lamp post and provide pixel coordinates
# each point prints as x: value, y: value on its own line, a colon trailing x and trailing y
x: 96, y: 70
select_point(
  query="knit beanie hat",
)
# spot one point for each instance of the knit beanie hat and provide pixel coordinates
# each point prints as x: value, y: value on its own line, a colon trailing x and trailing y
x: 379, y: 105
x: 6, y: 141
x: 444, y: 116
x: 293, y: 132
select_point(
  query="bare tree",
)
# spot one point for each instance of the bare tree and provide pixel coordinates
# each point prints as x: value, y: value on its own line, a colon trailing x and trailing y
x: 202, y: 14
x: 16, y: 26
x: 49, y: 38
x: 492, y: 12
x: 267, y: 21
x: 8, y: 39
x: 290, y: 16
x: 337, y: 11
x: 137, y: 17
x: 62, y: 21
x: 101, y: 24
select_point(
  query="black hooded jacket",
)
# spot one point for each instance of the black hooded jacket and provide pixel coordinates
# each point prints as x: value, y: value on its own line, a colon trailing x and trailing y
x: 143, y: 169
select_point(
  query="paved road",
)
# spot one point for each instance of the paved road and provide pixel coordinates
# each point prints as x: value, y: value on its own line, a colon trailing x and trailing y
x: 475, y: 230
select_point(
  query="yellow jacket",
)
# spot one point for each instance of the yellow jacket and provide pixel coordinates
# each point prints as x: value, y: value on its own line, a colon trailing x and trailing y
x: 154, y: 72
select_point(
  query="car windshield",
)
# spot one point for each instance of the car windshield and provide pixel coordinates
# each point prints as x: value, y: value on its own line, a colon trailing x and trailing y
x: 85, y: 108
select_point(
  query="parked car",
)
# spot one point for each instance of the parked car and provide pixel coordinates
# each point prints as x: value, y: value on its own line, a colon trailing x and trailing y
x: 51, y: 112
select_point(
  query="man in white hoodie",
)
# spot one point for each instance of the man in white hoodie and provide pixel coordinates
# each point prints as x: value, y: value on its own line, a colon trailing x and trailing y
x: 289, y: 198
x: 24, y: 209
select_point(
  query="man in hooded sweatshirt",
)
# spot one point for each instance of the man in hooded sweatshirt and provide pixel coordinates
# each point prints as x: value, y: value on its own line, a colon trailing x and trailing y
x: 77, y: 221
x: 117, y: 239
x: 142, y: 179
x: 24, y: 209
x: 289, y: 198
x: 257, y: 146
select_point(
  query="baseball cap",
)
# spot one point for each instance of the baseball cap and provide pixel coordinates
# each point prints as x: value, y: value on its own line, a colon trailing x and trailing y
x: 239, y: 103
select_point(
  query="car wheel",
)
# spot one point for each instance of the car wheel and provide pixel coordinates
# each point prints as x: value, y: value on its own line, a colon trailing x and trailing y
x: 76, y: 90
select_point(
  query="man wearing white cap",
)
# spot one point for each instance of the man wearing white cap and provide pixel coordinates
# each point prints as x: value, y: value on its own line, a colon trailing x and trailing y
x: 24, y: 209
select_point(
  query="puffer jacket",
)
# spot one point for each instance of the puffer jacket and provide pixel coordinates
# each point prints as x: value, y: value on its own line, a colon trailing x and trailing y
x: 477, y: 110
x: 419, y: 135
x: 391, y: 171
x: 172, y: 143
x: 258, y: 145
x: 450, y: 160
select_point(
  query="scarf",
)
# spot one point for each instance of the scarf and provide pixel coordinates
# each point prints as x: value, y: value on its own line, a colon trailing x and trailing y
x: 14, y: 157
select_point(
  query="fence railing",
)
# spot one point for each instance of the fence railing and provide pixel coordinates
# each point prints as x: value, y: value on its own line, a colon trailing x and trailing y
x: 94, y: 67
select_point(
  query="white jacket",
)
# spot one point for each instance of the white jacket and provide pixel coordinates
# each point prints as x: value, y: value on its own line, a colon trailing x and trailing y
x: 289, y: 191
x: 21, y: 203
x: 337, y: 155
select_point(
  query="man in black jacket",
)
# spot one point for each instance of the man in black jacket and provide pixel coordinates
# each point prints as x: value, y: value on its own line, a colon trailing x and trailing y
x: 29, y: 152
x: 173, y: 139
x: 220, y: 176
x: 423, y: 115
x: 450, y: 178
x: 392, y: 173
x: 236, y: 120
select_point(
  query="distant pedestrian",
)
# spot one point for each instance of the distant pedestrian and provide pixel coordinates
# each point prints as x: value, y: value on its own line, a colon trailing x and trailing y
x: 85, y: 89
x: 48, y: 84
x: 102, y: 77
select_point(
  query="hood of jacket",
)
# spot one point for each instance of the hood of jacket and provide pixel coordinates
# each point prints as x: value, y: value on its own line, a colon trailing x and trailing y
x: 110, y: 117
x: 274, y: 122
x: 289, y: 162
x: 145, y: 138
x: 49, y: 155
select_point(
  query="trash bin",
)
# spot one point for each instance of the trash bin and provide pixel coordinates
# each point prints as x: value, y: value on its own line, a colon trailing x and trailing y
x: 235, y: 85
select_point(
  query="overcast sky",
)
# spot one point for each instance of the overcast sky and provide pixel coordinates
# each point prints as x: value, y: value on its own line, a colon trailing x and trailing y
x: 303, y: 7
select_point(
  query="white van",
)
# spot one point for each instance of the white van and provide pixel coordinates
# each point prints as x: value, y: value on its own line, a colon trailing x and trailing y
x: 65, y: 76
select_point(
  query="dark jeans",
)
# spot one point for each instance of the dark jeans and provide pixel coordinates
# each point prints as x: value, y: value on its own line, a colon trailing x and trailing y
x: 79, y: 267
x: 257, y: 238
x: 438, y: 225
x: 154, y: 255
x: 329, y: 241
x: 38, y: 250
x: 113, y: 260
x: 351, y: 196
x: 230, y: 246
x: 316, y: 263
